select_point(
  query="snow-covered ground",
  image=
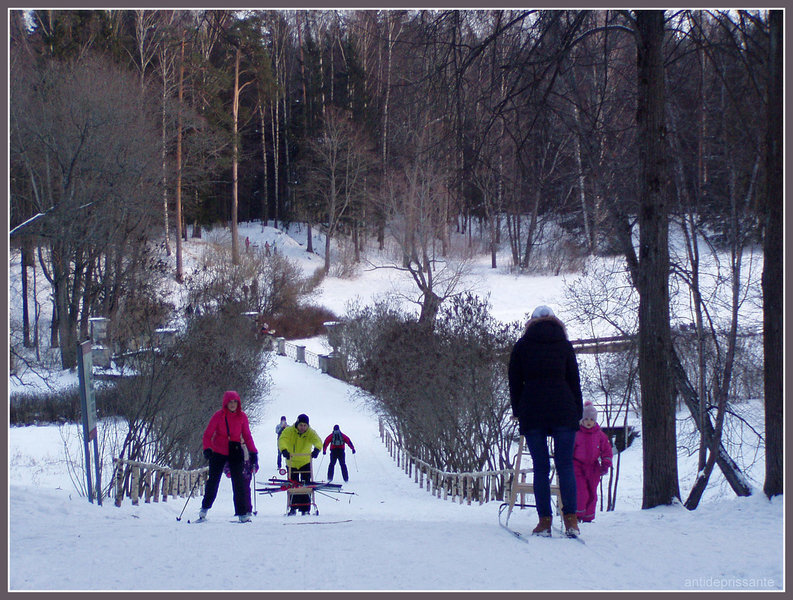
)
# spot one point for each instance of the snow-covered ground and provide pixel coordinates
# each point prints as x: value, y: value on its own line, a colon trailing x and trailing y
x: 392, y: 535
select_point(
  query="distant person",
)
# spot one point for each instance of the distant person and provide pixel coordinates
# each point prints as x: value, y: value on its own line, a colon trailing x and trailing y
x: 337, y: 441
x: 267, y: 248
x: 247, y: 244
x: 296, y: 444
x: 278, y: 431
x: 591, y: 460
x: 545, y: 393
x: 223, y: 438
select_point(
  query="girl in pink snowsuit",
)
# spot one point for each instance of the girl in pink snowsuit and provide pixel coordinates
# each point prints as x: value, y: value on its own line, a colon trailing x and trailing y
x: 591, y: 460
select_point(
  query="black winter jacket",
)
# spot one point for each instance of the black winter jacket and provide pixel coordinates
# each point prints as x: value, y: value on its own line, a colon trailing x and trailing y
x: 544, y: 384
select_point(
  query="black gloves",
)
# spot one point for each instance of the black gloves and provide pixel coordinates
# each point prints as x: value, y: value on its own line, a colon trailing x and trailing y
x: 285, y: 454
x: 207, y: 453
x: 254, y: 456
x: 324, y: 452
x: 315, y: 453
x: 353, y: 450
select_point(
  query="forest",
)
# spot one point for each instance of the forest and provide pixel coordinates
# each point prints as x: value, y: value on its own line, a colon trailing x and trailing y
x: 565, y: 133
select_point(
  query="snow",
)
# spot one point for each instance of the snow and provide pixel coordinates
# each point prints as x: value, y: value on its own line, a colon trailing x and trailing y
x: 398, y: 537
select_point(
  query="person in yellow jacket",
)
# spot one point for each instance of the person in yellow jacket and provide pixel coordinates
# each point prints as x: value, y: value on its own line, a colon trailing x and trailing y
x: 295, y: 444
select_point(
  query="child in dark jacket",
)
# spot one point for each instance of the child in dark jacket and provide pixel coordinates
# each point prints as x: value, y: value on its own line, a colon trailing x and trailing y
x: 591, y: 460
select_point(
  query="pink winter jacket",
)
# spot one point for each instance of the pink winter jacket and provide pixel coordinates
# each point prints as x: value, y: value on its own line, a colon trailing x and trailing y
x: 590, y: 445
x: 217, y: 437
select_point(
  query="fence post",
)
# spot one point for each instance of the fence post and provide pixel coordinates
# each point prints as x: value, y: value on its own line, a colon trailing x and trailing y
x: 300, y: 354
x: 281, y: 346
x: 119, y: 481
x: 133, y: 485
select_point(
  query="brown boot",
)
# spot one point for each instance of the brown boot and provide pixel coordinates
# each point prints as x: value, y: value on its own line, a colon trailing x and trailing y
x: 571, y: 526
x: 543, y: 527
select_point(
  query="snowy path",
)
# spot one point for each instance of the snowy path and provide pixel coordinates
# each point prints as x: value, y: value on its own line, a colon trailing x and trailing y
x: 399, y: 537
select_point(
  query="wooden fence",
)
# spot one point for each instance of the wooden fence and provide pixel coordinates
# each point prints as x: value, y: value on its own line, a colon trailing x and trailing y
x: 478, y: 487
x: 136, y: 480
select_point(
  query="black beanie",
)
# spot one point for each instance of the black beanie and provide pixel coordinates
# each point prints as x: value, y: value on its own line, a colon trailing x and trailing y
x: 335, y: 427
x: 301, y: 418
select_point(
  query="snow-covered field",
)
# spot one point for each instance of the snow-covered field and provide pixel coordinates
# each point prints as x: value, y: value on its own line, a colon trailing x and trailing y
x: 393, y: 535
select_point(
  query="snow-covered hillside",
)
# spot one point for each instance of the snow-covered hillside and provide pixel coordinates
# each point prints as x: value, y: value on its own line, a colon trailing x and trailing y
x: 390, y: 535
x: 395, y: 536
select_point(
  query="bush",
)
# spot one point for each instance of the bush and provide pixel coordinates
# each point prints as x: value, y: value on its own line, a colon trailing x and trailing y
x: 463, y: 425
x: 63, y: 406
x: 167, y: 404
x: 298, y: 322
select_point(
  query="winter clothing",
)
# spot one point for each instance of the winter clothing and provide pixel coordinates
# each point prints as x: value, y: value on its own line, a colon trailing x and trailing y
x: 571, y: 526
x: 217, y: 437
x: 337, y: 440
x: 544, y: 383
x: 278, y: 430
x: 298, y: 447
x: 590, y: 412
x: 543, y: 527
x: 249, y: 467
x: 591, y: 460
x: 296, y: 443
x: 563, y: 442
x: 545, y: 394
x: 542, y: 311
x: 224, y: 427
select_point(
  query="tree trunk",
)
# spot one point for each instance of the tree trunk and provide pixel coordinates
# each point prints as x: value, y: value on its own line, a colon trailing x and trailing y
x: 729, y: 468
x: 264, y: 162
x: 179, y: 268
x: 658, y: 406
x: 164, y: 158
x: 26, y: 261
x: 235, y: 250
x: 773, y: 275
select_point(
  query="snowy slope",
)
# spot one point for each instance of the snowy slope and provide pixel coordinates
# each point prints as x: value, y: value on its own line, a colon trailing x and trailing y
x: 399, y: 537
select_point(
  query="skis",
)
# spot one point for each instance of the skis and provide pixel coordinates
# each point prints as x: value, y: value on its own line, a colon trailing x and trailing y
x: 317, y: 522
x: 525, y: 538
x: 281, y: 485
x: 198, y: 520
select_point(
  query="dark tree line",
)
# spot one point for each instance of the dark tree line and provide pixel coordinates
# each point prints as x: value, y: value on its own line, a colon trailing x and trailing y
x: 519, y: 120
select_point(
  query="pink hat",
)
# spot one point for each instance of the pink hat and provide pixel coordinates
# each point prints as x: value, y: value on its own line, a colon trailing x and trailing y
x: 590, y: 412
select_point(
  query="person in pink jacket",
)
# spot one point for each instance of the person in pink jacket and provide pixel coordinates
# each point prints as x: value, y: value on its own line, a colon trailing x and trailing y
x: 227, y: 428
x: 591, y: 460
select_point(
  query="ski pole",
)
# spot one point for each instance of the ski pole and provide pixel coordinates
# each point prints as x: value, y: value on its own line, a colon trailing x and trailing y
x: 254, y: 491
x: 190, y: 495
x: 356, y: 462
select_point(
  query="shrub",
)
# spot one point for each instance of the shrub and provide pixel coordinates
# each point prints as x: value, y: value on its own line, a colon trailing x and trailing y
x: 298, y: 322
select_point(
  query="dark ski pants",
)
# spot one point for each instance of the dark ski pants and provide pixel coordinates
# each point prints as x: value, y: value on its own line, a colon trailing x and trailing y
x: 563, y: 442
x: 300, y: 502
x: 239, y: 485
x: 337, y: 454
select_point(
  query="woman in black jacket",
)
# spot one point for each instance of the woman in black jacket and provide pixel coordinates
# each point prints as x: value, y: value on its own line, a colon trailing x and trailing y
x: 545, y: 391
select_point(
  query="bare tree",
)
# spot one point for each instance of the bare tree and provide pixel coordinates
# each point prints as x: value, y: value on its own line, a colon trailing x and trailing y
x: 88, y: 149
x: 773, y: 275
x: 335, y: 172
x: 658, y: 406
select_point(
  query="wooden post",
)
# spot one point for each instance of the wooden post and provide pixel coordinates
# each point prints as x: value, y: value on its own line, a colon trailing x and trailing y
x: 133, y: 485
x: 119, y: 481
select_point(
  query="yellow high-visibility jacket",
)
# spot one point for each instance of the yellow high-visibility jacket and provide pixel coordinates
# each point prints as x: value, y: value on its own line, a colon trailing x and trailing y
x: 296, y: 443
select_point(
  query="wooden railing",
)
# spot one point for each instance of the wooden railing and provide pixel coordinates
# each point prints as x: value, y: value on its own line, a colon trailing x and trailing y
x: 479, y: 487
x: 136, y: 480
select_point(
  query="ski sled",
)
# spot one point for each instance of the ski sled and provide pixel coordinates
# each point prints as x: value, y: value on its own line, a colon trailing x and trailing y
x: 521, y: 487
x: 293, y: 486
